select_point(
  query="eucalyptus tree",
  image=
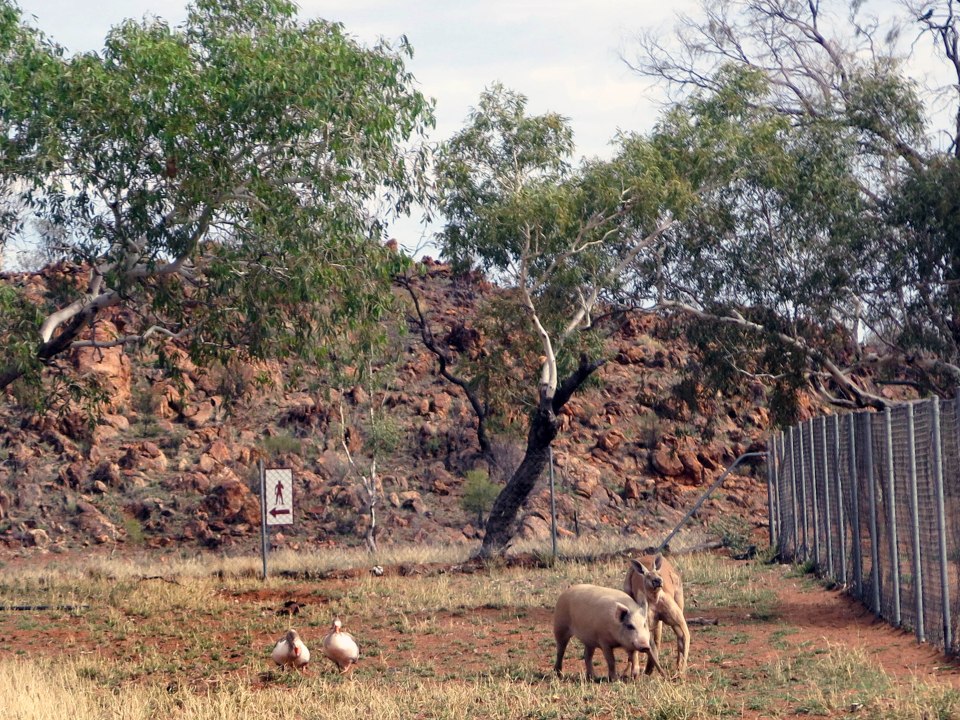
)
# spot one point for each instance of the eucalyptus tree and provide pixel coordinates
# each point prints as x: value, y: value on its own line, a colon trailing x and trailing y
x: 225, y: 179
x: 836, y: 265
x: 561, y: 239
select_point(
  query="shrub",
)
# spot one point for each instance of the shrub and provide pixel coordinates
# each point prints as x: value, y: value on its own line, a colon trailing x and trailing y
x: 282, y: 443
x: 384, y: 435
x: 478, y: 493
x: 733, y: 531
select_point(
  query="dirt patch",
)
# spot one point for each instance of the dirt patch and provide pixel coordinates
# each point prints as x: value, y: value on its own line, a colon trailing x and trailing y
x: 302, y: 595
x: 458, y: 645
x: 839, y: 619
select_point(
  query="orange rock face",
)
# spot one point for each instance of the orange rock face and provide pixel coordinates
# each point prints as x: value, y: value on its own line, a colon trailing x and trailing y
x: 109, y: 365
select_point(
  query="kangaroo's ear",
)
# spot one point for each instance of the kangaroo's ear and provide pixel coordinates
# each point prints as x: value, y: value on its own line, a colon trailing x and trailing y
x: 657, y: 561
x: 622, y: 611
x: 638, y: 566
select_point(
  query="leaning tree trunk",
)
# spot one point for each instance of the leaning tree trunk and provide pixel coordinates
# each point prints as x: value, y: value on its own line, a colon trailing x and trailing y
x: 51, y: 349
x: 543, y: 430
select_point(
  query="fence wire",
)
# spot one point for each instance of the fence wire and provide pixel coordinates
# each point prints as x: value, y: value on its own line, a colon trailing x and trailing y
x: 872, y: 501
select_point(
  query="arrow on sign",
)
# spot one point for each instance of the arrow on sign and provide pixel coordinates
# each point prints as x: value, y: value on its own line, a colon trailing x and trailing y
x: 282, y: 511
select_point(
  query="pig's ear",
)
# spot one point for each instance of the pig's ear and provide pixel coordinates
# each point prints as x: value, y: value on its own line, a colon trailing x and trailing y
x: 622, y: 611
x: 657, y: 561
x: 638, y: 566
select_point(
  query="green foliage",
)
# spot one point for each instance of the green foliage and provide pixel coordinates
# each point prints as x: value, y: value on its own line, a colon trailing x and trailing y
x: 18, y: 321
x: 832, y: 226
x: 503, y: 166
x: 134, y: 531
x: 384, y: 434
x: 478, y: 493
x: 218, y: 175
x: 733, y: 531
x: 925, y: 256
x: 283, y: 443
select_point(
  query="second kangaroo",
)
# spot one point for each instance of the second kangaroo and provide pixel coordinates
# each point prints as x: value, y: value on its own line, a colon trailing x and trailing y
x: 658, y: 582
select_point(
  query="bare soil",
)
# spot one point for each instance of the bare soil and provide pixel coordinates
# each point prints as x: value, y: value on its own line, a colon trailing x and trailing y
x: 463, y: 644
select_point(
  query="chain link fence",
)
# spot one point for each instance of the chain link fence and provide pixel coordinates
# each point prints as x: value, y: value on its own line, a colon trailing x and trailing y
x: 872, y: 501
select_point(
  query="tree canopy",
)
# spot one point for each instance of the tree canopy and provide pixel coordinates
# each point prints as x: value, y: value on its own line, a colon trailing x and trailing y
x: 570, y: 241
x: 828, y: 265
x: 218, y: 178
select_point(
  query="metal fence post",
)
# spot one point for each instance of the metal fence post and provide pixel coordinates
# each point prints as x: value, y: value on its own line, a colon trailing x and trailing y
x: 855, y: 509
x: 868, y: 471
x: 841, y: 533
x: 915, y: 520
x: 828, y: 527
x: 793, y: 498
x: 814, y: 495
x: 263, y: 515
x: 553, y: 508
x: 771, y: 459
x: 781, y: 487
x: 803, y: 493
x: 941, y: 525
x: 892, y: 517
x: 778, y: 499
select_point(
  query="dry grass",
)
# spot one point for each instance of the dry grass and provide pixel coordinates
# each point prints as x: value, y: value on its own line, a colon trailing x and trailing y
x: 43, y: 690
x: 197, y: 648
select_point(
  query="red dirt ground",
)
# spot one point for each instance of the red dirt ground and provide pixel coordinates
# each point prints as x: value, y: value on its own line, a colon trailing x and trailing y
x: 841, y: 620
x: 461, y: 644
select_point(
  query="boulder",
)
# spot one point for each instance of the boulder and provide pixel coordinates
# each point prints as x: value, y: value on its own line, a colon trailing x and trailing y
x: 219, y: 451
x: 534, y: 527
x: 666, y: 461
x: 586, y: 480
x: 610, y: 441
x: 144, y: 456
x: 94, y: 524
x: 231, y: 501
x: 411, y: 500
x: 36, y: 537
x: 106, y: 473
x: 109, y: 365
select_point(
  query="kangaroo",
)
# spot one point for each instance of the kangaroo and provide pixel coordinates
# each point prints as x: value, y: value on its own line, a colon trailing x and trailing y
x: 658, y: 582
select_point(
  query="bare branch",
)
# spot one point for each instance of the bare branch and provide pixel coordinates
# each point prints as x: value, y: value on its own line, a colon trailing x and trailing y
x: 132, y: 339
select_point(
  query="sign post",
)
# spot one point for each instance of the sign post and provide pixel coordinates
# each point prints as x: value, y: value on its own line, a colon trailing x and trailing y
x: 276, y: 503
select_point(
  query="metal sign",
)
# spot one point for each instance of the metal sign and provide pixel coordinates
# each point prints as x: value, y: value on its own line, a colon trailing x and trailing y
x: 278, y: 496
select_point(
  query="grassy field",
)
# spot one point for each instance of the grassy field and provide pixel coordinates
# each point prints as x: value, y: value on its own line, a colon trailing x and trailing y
x: 191, y: 639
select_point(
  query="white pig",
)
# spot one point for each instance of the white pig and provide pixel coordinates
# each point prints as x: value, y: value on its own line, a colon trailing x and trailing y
x: 600, y: 617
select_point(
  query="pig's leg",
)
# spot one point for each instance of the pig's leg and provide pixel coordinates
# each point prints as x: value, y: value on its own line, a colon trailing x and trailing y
x: 611, y: 662
x: 562, y: 641
x: 588, y: 659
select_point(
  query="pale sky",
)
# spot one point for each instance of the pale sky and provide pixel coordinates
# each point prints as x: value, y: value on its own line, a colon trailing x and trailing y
x: 564, y: 55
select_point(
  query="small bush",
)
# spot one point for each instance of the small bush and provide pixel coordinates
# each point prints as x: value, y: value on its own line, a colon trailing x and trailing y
x: 733, y: 531
x: 384, y: 435
x: 478, y: 493
x: 134, y: 530
x: 281, y: 444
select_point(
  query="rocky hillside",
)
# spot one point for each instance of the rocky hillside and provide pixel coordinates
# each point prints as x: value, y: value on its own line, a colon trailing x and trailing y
x: 172, y: 464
